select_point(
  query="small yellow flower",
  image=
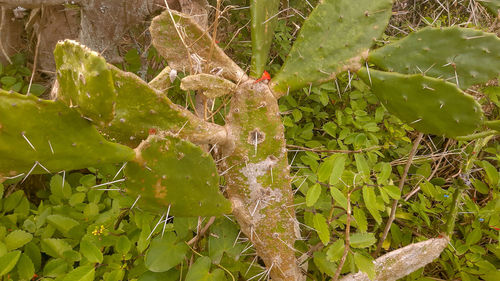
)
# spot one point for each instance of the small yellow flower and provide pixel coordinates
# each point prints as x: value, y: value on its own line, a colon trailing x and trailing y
x: 99, y: 230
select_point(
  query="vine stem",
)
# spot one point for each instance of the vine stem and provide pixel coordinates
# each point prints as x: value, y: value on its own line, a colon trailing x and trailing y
x: 347, y: 238
x: 392, y: 216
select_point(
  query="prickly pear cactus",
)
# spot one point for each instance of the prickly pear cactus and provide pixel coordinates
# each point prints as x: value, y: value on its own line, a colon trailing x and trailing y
x: 136, y: 107
x: 85, y: 81
x: 170, y: 173
x: 461, y: 56
x: 41, y: 136
x: 428, y: 104
x: 264, y: 15
x: 335, y: 38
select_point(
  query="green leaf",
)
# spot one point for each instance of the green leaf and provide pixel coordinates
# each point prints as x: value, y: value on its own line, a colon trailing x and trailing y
x: 362, y: 240
x: 58, y: 189
x: 337, y: 170
x: 362, y: 165
x: 81, y: 273
x: 322, y: 228
x: 339, y: 197
x: 371, y: 202
x: 313, y: 194
x: 16, y: 239
x: 37, y: 89
x: 8, y: 261
x: 123, y: 245
x: 8, y: 80
x: 330, y: 128
x: 55, y: 247
x: 325, y: 168
x: 491, y: 173
x: 200, y: 271
x: 365, y: 264
x: 222, y: 240
x: 11, y: 202
x: 323, y: 264
x: 335, y: 251
x: 164, y: 253
x: 393, y: 191
x: 25, y: 267
x: 90, y: 251
x: 385, y: 173
x: 62, y: 223
x: 474, y: 236
x: 360, y: 218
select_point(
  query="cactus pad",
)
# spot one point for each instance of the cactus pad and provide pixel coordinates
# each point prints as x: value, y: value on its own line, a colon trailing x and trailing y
x: 212, y: 86
x: 50, y: 134
x: 172, y: 172
x: 264, y: 18
x: 84, y: 81
x: 335, y: 38
x: 458, y: 55
x: 492, y: 5
x: 428, y: 104
x: 188, y: 48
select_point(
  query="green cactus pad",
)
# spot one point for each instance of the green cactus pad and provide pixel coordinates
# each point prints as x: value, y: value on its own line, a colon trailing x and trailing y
x: 428, y: 104
x: 438, y: 52
x: 84, y: 81
x: 212, y: 86
x: 139, y: 109
x: 264, y: 18
x: 335, y: 38
x: 172, y: 172
x: 49, y: 133
x: 188, y: 48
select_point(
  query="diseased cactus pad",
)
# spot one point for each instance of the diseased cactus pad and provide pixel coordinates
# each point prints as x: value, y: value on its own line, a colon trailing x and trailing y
x: 172, y: 172
x: 85, y: 81
x: 50, y: 134
x: 461, y: 56
x: 429, y: 105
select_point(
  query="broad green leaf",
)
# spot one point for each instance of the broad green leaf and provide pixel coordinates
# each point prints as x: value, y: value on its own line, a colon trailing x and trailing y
x: 360, y: 219
x: 393, y: 191
x: 362, y: 240
x: 200, y: 271
x: 385, y: 173
x: 339, y: 197
x: 325, y: 168
x: 223, y: 240
x: 322, y: 228
x: 62, y: 223
x: 58, y: 189
x: 8, y: 261
x: 90, y: 251
x: 123, y: 245
x: 370, y: 200
x: 81, y: 273
x: 11, y: 201
x: 337, y: 170
x: 335, y: 250
x: 474, y: 236
x: 313, y: 194
x: 16, y: 239
x: 55, y: 247
x: 25, y: 267
x: 323, y: 264
x: 55, y: 267
x: 362, y: 165
x: 491, y: 173
x: 165, y: 253
x: 365, y: 264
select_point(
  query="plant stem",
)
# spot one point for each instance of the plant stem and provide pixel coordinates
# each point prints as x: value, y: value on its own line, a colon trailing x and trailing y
x: 395, y: 202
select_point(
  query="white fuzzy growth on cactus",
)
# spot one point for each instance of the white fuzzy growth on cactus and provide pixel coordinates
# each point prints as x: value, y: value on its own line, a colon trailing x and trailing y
x: 260, y: 196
